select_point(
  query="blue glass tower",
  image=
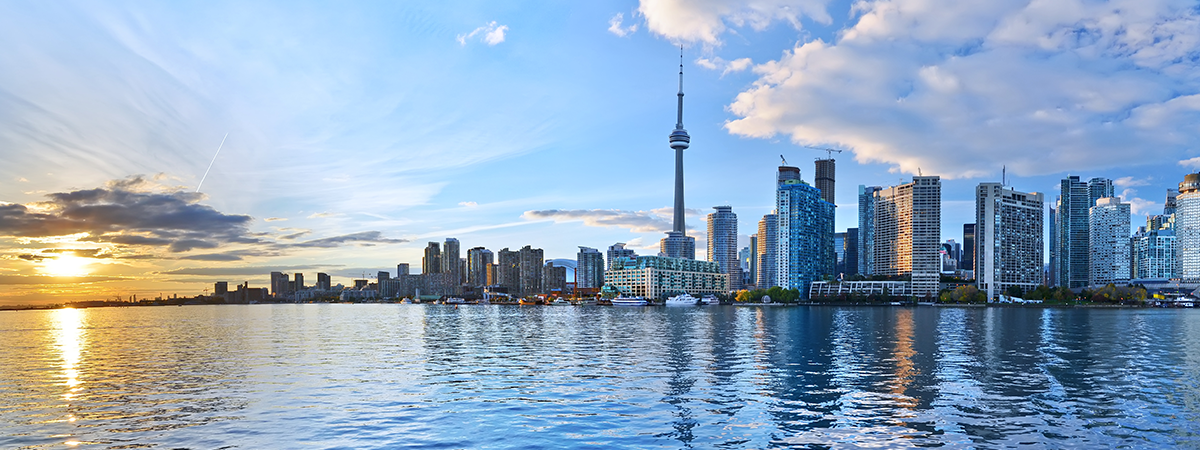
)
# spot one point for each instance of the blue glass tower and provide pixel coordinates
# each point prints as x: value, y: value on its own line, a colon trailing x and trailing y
x: 805, y: 246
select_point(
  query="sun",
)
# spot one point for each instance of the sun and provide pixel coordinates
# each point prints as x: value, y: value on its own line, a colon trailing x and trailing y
x: 66, y: 265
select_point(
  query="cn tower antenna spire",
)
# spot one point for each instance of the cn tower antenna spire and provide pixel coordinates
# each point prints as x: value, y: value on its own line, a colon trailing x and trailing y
x: 679, y: 142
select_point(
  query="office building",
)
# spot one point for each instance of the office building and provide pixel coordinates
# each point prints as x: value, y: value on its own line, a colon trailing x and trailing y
x: 804, y: 247
x: 279, y: 284
x: 1008, y: 239
x: 656, y: 277
x: 1108, y: 238
x: 678, y: 244
x: 432, y: 261
x: 618, y: 250
x: 1071, y: 235
x: 768, y: 240
x: 478, y: 260
x: 851, y: 252
x: 401, y: 270
x: 530, y: 270
x: 866, y: 228
x: 221, y: 288
x: 1099, y: 188
x: 325, y: 284
x: 908, y: 233
x: 753, y: 278
x: 824, y: 179
x: 967, y: 260
x: 722, y: 244
x: 1052, y: 222
x: 299, y: 279
x: 839, y: 253
x: 589, y: 268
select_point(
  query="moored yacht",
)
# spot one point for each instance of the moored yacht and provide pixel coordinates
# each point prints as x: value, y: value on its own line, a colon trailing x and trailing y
x: 683, y: 299
x: 629, y: 301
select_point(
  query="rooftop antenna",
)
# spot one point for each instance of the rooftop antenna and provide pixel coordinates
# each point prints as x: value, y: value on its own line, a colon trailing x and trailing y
x: 919, y: 172
x: 784, y: 160
x: 1004, y: 175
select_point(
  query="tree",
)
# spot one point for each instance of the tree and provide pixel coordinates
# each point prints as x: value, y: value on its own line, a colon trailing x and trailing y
x: 1014, y: 291
x: 744, y: 296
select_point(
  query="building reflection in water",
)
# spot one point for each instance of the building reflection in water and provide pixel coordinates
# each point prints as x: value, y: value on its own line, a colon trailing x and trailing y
x: 905, y: 370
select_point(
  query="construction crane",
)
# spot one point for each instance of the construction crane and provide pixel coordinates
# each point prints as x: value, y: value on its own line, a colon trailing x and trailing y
x: 829, y: 151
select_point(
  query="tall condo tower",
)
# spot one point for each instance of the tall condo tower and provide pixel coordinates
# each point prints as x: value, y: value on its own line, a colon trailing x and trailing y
x: 1007, y: 239
x: 722, y: 244
x: 824, y: 179
x: 678, y: 244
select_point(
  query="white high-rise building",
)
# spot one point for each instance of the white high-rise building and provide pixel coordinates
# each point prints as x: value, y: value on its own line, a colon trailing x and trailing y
x: 1008, y: 239
x: 1108, y: 242
x: 722, y: 244
x: 908, y: 232
x: 1187, y: 228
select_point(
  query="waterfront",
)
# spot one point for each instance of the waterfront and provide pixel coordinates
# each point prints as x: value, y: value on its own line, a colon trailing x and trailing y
x: 431, y: 376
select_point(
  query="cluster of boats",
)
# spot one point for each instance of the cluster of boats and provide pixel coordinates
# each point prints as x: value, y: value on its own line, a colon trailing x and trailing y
x: 684, y: 299
x: 678, y: 300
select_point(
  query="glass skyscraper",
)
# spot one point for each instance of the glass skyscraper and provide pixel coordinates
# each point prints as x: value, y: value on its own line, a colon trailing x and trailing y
x: 805, y: 226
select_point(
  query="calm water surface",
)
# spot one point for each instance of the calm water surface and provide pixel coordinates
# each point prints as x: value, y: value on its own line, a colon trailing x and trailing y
x: 389, y: 376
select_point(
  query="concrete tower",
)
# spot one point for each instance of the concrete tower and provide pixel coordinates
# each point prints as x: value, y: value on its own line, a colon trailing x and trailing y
x: 678, y: 244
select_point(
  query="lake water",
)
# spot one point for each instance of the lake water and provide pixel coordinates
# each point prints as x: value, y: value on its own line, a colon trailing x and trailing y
x: 425, y: 376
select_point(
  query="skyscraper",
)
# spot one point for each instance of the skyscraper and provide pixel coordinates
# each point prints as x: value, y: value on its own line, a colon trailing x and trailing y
x: 866, y: 229
x: 1099, y: 188
x: 299, y: 277
x: 279, y: 284
x: 1052, y: 225
x: 908, y: 233
x: 722, y: 244
x: 323, y: 282
x: 851, y: 252
x: 508, y: 270
x: 554, y: 277
x: 531, y: 270
x: 618, y: 250
x: 451, y: 264
x: 1008, y: 239
x: 753, y: 258
x: 1071, y: 214
x: 967, y: 262
x: 1187, y: 228
x: 678, y: 244
x: 768, y: 240
x: 401, y: 270
x: 1108, y: 242
x: 478, y: 260
x: 589, y: 268
x: 804, y: 247
x: 824, y: 179
x: 432, y: 261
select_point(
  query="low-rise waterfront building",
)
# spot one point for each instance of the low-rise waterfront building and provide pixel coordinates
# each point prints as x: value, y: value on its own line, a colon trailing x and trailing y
x: 658, y: 276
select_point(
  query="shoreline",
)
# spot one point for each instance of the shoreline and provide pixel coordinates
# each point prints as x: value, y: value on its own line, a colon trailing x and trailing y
x: 796, y: 304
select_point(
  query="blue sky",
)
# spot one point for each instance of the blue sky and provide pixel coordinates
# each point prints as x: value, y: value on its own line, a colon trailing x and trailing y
x: 360, y: 131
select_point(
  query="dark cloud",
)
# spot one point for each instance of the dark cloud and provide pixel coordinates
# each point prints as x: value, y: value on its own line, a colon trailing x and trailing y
x: 248, y: 270
x: 213, y: 257
x: 361, y: 238
x: 295, y: 236
x: 123, y: 213
x: 42, y: 280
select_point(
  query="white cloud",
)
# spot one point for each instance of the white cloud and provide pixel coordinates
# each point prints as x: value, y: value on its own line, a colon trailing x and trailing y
x: 616, y: 27
x: 1125, y: 182
x: 274, y: 219
x: 490, y: 34
x: 706, y: 20
x: 654, y: 221
x: 1139, y: 206
x: 323, y: 215
x: 468, y: 204
x: 726, y: 67
x: 1193, y: 163
x: 961, y: 88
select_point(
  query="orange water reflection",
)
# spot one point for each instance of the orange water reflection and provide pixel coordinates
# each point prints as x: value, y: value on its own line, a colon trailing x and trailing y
x: 69, y: 341
x: 905, y: 369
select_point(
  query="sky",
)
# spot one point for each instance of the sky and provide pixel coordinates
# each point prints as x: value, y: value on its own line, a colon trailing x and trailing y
x: 355, y: 133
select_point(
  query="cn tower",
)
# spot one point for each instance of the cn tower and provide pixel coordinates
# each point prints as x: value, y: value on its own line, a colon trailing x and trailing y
x: 678, y: 244
x: 680, y: 142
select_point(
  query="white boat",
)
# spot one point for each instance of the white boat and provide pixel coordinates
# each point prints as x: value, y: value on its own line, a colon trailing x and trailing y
x: 683, y: 299
x: 560, y: 302
x: 586, y: 302
x: 629, y: 301
x: 709, y: 300
x: 456, y: 301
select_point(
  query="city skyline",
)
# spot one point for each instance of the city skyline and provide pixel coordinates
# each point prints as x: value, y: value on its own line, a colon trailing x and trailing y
x: 341, y: 158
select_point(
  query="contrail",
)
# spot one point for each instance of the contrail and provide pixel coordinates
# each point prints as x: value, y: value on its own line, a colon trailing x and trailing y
x: 211, y: 163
